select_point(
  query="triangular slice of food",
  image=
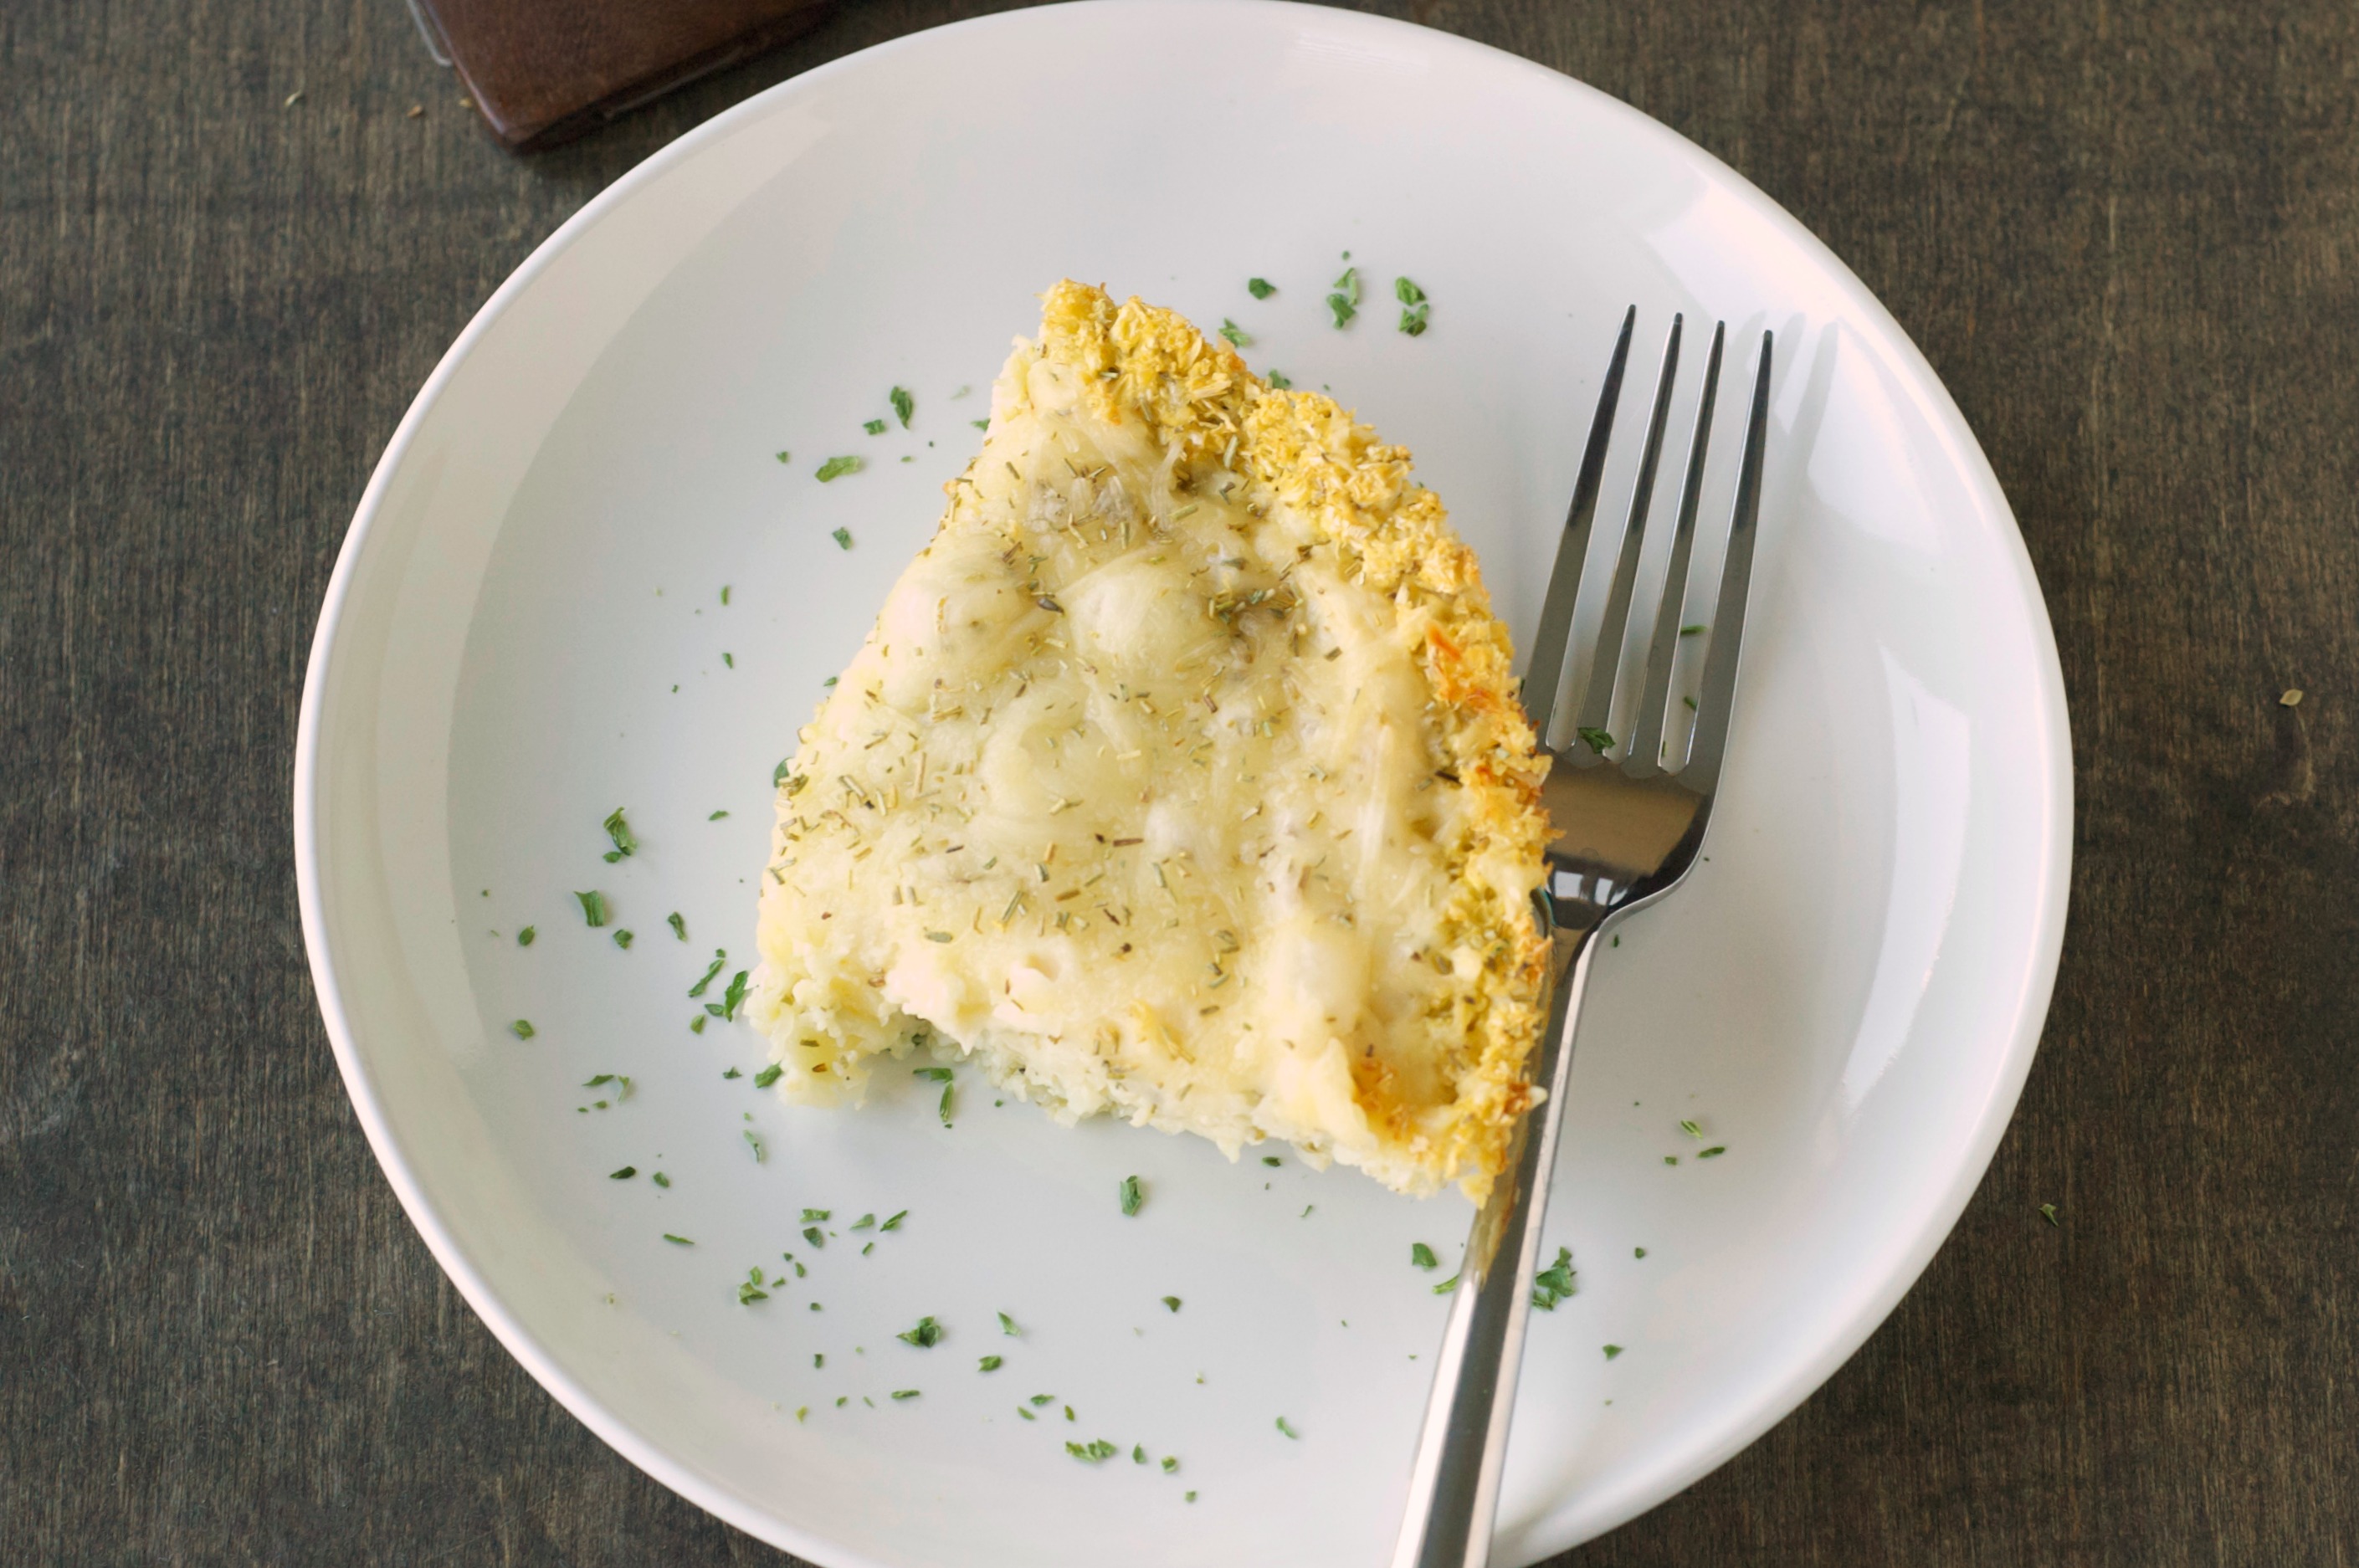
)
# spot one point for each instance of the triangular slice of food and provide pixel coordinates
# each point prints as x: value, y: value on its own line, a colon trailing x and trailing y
x: 1181, y: 779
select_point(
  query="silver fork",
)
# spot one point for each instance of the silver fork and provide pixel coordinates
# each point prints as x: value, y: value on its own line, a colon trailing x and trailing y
x: 1629, y: 823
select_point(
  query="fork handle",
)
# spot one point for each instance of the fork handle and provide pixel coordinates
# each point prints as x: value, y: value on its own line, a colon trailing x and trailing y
x: 1453, y: 1493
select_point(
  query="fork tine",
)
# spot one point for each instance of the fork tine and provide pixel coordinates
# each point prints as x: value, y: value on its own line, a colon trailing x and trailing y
x: 1641, y: 754
x: 1605, y: 667
x: 1552, y: 641
x: 1719, y: 688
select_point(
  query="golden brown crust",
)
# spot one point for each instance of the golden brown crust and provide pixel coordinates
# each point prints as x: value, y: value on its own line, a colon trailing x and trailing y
x: 1301, y: 452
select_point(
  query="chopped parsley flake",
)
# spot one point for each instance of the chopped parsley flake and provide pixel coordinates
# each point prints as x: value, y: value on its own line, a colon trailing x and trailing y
x: 716, y: 816
x: 754, y: 1142
x: 623, y: 938
x: 1133, y: 1194
x: 1271, y: 1160
x: 660, y: 1179
x: 1278, y: 378
x: 1172, y: 1466
x: 1446, y: 1286
x: 1027, y: 1415
x: 864, y: 1222
x: 905, y: 1393
x: 1039, y: 1399
x: 1713, y: 1152
x: 980, y: 424
x: 1692, y: 631
x: 768, y: 1075
x: 904, y: 405
x: 593, y: 909
x: 1233, y: 333
x: 895, y: 1223
x: 748, y: 1293
x: 1597, y: 740
x: 938, y: 1074
x: 1287, y: 1430
x: 816, y: 1216
x: 1670, y: 1160
x: 1192, y: 1497
x: 1422, y: 1257
x: 837, y: 467
x: 1095, y: 1451
x: 1694, y: 1130
x: 786, y: 457
x: 1554, y: 1283
x: 873, y: 426
x: 678, y: 1240
x: 1414, y: 306
x: 524, y: 937
x: 1637, y: 1252
x: 843, y: 538
x: 938, y: 936
x: 1172, y: 1302
x: 625, y: 842
x: 1260, y: 287
x: 679, y: 925
x: 625, y: 1174
x: 1007, y: 1326
x: 1611, y: 1351
x: 2048, y: 1213
x: 524, y: 1029
x: 730, y: 660
x: 724, y: 595
x: 944, y: 1109
x: 813, y: 1235
x: 989, y: 1364
x: 925, y: 1337
x: 735, y: 994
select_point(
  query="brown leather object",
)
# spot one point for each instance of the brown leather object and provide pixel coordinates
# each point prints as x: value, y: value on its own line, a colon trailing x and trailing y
x: 544, y: 70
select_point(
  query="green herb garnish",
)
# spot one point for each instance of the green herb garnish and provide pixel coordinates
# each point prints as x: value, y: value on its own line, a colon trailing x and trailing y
x: 895, y: 1223
x: 660, y: 1179
x: 1233, y: 333
x: 873, y: 426
x: 1271, y: 1160
x: 1172, y: 1302
x: 524, y: 1029
x: 1670, y: 1160
x: 754, y: 1142
x: 748, y: 1293
x: 980, y: 424
x: 863, y: 1223
x: 716, y: 816
x: 1713, y: 1152
x: 905, y: 1393
x: 1007, y: 1326
x: 1414, y: 306
x: 903, y: 405
x: 925, y: 1337
x: 989, y: 1364
x: 735, y: 994
x: 815, y: 1216
x: 1422, y: 1257
x: 945, y: 1108
x: 625, y: 1174
x: 939, y: 1074
x: 1278, y: 378
x: 1611, y: 1351
x: 593, y: 909
x: 837, y: 467
x: 678, y: 926
x: 843, y: 538
x: 1637, y: 1252
x: 1093, y: 1452
x: 625, y: 842
x: 1346, y: 300
x: 1287, y: 1430
x: 768, y: 1075
x: 2048, y: 1213
x: 623, y: 938
x: 1597, y: 740
x: 786, y: 457
x: 813, y: 1235
x: 1133, y: 1194
x: 1172, y: 1466
x: 1446, y: 1286
x: 720, y: 957
x: 1039, y: 1399
x: 678, y: 1240
x: 1260, y: 287
x: 1554, y: 1283
x: 524, y: 937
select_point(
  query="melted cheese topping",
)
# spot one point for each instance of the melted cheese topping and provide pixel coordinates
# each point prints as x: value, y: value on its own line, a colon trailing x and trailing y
x: 1136, y: 795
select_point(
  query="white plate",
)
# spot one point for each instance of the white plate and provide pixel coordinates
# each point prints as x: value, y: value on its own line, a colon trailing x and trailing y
x: 524, y: 631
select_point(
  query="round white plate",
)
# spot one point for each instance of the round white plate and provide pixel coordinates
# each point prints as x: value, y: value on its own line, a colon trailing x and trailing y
x: 527, y: 629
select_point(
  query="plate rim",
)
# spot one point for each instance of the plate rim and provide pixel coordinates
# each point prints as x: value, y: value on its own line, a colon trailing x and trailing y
x: 1606, y: 1510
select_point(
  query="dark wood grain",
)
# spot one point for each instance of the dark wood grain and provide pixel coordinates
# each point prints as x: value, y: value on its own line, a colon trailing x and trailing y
x: 2126, y: 236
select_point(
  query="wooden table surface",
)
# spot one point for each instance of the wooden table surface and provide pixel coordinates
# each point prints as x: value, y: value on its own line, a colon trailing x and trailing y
x: 2126, y: 236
